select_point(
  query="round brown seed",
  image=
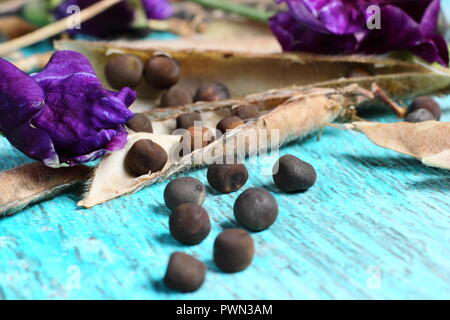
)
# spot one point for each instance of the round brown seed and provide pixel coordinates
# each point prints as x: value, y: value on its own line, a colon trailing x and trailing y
x: 246, y: 112
x: 198, y: 137
x: 420, y: 115
x: 186, y: 120
x: 162, y: 72
x: 291, y: 174
x: 140, y: 123
x: 212, y: 91
x: 189, y: 223
x: 227, y: 178
x: 175, y: 96
x: 426, y: 103
x: 184, y: 273
x: 123, y: 70
x: 255, y: 209
x: 184, y: 190
x: 229, y: 123
x: 145, y: 156
x: 233, y: 250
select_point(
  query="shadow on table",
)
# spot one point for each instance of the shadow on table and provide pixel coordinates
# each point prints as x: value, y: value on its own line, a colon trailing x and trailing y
x: 434, y: 184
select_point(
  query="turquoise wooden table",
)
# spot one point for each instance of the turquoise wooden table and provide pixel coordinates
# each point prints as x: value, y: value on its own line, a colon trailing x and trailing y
x: 375, y: 226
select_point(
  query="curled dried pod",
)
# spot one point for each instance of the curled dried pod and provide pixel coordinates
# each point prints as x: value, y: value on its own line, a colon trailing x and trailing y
x: 229, y: 123
x: 212, y: 91
x: 123, y: 70
x: 145, y: 156
x: 162, y: 72
x: 175, y: 96
x: 358, y: 71
x: 246, y: 112
x: 188, y: 119
x: 140, y: 123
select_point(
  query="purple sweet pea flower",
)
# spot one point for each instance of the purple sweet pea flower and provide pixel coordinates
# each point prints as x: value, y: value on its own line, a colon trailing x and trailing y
x: 340, y: 26
x: 116, y: 19
x: 62, y: 115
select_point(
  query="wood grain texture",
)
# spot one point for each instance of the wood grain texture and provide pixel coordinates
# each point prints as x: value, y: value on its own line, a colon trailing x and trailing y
x: 371, y: 212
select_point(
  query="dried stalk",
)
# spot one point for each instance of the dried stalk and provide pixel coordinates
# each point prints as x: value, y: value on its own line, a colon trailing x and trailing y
x: 54, y: 28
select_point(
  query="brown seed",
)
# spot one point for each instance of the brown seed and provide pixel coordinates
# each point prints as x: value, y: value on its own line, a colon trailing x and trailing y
x: 255, y: 209
x: 145, y: 156
x: 186, y: 120
x: 189, y: 223
x: 123, y: 70
x: 184, y: 190
x: 227, y: 176
x: 291, y: 174
x: 198, y: 137
x: 246, y: 112
x: 162, y: 72
x: 184, y: 273
x: 426, y: 103
x: 212, y: 91
x: 140, y: 123
x: 175, y: 96
x: 229, y: 123
x: 233, y: 250
x: 358, y: 71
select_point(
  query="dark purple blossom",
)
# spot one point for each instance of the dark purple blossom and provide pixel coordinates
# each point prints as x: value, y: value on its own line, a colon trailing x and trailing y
x: 340, y: 27
x: 62, y: 115
x: 116, y: 19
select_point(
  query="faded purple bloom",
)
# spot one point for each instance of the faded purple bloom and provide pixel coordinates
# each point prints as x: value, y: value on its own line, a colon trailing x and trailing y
x: 340, y: 27
x: 116, y: 19
x: 62, y: 115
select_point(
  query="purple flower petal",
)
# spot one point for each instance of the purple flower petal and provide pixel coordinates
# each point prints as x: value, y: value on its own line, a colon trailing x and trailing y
x: 62, y: 115
x: 157, y: 9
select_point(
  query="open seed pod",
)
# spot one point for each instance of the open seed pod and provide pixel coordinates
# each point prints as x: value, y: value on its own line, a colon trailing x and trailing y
x: 246, y: 73
x: 297, y: 116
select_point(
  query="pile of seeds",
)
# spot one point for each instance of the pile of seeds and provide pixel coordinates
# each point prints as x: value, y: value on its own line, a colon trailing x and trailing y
x: 255, y: 209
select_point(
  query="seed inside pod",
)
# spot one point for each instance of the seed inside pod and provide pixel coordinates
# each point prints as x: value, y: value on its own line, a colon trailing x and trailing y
x: 162, y: 72
x: 212, y: 91
x: 233, y: 250
x: 291, y: 174
x: 227, y: 177
x: 198, y: 137
x: 189, y: 223
x: 140, y: 123
x: 184, y: 190
x: 246, y: 112
x: 145, y: 156
x: 186, y: 120
x: 229, y: 123
x: 123, y: 70
x: 427, y: 103
x: 175, y: 96
x: 358, y: 72
x: 255, y: 209
x: 420, y: 115
x: 184, y: 273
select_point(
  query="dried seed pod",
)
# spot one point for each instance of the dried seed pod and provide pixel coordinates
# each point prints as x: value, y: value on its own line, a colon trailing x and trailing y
x: 246, y: 112
x: 184, y: 190
x: 291, y: 174
x: 420, y: 115
x: 427, y: 103
x: 175, y: 96
x: 227, y: 177
x: 358, y: 71
x: 229, y: 123
x: 140, y: 123
x: 186, y: 120
x: 184, y: 273
x: 255, y: 209
x: 123, y: 70
x: 145, y: 156
x: 189, y: 223
x: 233, y: 250
x: 212, y: 91
x: 162, y: 72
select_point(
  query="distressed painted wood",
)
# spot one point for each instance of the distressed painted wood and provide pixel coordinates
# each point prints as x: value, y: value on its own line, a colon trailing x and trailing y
x: 376, y: 225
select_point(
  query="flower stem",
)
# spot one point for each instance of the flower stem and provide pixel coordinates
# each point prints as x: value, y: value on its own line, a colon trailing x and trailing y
x: 240, y: 9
